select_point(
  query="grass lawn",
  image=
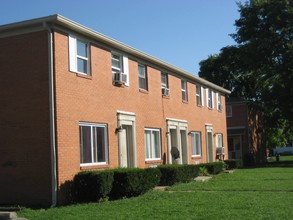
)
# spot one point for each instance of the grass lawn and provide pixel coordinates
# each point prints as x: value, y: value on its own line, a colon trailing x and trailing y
x: 261, y: 193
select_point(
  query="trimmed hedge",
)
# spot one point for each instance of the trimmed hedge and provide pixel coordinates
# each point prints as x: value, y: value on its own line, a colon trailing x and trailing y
x: 129, y: 182
x: 92, y: 186
x: 215, y: 167
x: 172, y: 174
x: 233, y: 164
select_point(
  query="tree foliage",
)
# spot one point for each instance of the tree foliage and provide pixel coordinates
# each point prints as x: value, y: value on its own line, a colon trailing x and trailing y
x: 259, y: 68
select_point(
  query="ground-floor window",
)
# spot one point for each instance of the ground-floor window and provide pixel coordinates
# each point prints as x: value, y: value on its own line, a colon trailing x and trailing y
x: 93, y: 143
x: 152, y: 144
x: 196, y: 143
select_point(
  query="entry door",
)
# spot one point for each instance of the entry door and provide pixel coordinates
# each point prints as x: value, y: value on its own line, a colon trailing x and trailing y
x: 174, y: 142
x: 123, y: 148
x: 126, y: 147
x: 235, y: 147
x: 183, y: 137
x: 210, y: 151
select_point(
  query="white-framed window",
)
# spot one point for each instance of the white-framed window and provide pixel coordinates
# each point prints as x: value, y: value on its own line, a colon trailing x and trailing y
x: 184, y: 90
x: 164, y: 80
x: 199, y: 95
x: 79, y: 56
x: 219, y: 140
x: 196, y: 143
x: 228, y: 111
x: 152, y: 140
x: 93, y: 143
x: 164, y: 84
x: 142, y: 77
x: 210, y: 98
x: 219, y: 103
x: 120, y: 64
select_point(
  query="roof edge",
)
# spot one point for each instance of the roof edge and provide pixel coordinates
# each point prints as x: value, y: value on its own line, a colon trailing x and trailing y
x: 65, y: 22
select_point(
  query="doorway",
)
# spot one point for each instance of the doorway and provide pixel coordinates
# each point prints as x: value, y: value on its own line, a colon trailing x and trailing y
x: 177, y: 141
x: 126, y: 139
x: 209, y: 141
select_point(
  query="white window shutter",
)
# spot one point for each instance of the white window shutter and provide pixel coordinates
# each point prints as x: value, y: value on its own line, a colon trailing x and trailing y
x: 207, y: 96
x: 202, y: 95
x: 213, y: 105
x: 72, y: 54
x: 217, y: 101
x: 126, y: 69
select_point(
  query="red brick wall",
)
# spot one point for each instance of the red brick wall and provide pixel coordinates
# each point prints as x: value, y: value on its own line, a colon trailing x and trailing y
x: 25, y: 173
x: 239, y: 115
x: 95, y: 99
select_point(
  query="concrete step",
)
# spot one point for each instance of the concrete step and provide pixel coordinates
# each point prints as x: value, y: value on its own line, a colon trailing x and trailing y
x: 9, y: 216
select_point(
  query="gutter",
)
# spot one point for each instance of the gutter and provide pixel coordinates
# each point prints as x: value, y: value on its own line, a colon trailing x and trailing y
x: 52, y: 116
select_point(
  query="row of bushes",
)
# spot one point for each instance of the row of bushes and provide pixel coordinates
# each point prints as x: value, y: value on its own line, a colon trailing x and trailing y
x: 172, y: 174
x: 93, y: 186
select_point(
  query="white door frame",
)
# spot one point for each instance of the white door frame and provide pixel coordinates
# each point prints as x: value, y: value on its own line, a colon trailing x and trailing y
x: 127, y: 119
x: 209, y: 129
x: 177, y: 125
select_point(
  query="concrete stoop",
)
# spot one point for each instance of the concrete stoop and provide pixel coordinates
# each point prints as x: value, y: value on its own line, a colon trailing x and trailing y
x: 202, y: 178
x: 10, y: 216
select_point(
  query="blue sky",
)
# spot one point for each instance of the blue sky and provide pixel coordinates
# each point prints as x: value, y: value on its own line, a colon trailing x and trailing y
x: 179, y: 32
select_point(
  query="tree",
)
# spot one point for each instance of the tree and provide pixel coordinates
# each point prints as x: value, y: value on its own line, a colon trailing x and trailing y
x: 259, y: 68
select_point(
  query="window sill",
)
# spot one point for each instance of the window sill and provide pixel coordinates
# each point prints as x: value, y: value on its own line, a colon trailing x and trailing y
x: 144, y: 91
x: 94, y: 166
x: 200, y: 106
x: 85, y: 76
x: 184, y: 101
x: 166, y: 96
x: 196, y: 157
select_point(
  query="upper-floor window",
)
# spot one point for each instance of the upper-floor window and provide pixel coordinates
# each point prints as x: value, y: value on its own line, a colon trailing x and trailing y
x: 142, y: 77
x: 210, y: 98
x: 120, y: 68
x: 184, y: 90
x: 79, y: 59
x: 164, y: 83
x: 93, y: 143
x: 219, y: 103
x: 199, y: 95
x: 228, y: 111
x: 196, y: 143
x: 117, y: 64
x: 152, y: 144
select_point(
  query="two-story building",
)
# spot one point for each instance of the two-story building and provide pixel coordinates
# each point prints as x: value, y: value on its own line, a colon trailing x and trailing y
x: 73, y: 99
x: 246, y: 138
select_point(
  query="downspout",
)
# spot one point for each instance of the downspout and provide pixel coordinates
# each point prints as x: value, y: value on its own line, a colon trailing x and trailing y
x: 52, y: 116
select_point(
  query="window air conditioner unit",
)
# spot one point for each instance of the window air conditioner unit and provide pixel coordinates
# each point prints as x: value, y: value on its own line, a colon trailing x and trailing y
x: 165, y: 91
x: 220, y: 151
x: 119, y: 78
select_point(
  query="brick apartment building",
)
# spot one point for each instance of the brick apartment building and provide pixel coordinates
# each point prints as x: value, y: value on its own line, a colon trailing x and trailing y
x: 245, y: 131
x: 73, y: 99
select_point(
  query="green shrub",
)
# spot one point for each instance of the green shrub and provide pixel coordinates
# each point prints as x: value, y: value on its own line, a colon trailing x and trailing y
x: 233, y: 164
x: 92, y: 186
x: 130, y: 182
x: 203, y: 171
x: 215, y: 167
x: 172, y: 174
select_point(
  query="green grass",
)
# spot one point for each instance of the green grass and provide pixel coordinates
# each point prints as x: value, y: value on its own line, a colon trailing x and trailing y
x: 261, y: 193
